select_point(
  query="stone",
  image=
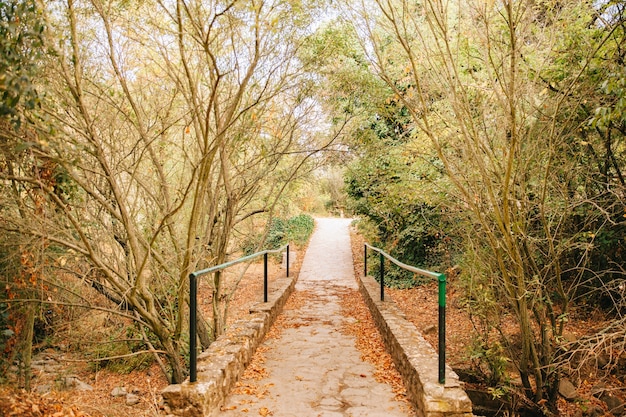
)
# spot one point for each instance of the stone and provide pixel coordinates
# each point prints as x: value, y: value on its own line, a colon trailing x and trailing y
x: 132, y: 399
x: 72, y: 382
x: 432, y: 329
x: 43, y: 389
x: 118, y: 392
x: 598, y: 389
x: 567, y: 390
x: 594, y: 411
x: 614, y: 404
x: 603, y: 361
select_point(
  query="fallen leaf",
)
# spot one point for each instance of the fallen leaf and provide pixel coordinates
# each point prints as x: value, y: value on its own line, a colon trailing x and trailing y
x: 264, y: 412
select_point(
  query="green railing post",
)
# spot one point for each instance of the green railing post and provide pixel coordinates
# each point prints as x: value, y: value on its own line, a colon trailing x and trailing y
x: 442, y: 328
x: 287, y: 260
x: 265, y: 278
x: 382, y: 277
x: 193, y: 306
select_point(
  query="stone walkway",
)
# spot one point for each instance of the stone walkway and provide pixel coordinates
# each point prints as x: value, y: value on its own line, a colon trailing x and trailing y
x: 313, y: 368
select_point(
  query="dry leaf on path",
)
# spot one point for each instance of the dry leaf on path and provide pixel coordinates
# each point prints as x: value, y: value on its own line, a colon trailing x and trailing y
x: 264, y: 412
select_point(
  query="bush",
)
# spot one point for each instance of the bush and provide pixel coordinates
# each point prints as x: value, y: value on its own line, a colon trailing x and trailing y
x: 277, y: 235
x: 297, y: 229
x: 300, y: 228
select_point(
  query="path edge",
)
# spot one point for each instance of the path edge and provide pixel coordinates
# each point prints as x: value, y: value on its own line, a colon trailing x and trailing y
x: 223, y: 363
x: 415, y: 359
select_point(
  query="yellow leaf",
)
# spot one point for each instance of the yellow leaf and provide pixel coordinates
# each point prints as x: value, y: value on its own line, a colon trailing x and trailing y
x: 264, y: 412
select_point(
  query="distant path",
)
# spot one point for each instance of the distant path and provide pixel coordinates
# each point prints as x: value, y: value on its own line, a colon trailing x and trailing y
x: 314, y: 370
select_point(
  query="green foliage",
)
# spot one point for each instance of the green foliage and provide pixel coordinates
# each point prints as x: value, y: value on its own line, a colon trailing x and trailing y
x: 490, y: 360
x: 399, y: 192
x: 415, y: 237
x: 21, y: 47
x: 277, y: 234
x: 300, y: 228
x: 296, y: 229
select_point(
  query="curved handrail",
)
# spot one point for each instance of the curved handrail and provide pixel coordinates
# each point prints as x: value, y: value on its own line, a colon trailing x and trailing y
x: 410, y: 268
x: 193, y: 299
x: 441, y: 278
x: 237, y: 261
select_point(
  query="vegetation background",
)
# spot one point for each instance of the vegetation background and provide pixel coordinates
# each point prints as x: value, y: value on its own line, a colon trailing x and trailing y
x: 141, y: 140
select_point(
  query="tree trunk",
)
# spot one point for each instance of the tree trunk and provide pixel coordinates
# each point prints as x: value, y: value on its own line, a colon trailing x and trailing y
x: 175, y: 361
x: 27, y: 344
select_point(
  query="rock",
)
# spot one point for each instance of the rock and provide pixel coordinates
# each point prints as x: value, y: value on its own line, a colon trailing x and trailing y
x: 594, y: 411
x: 118, y: 392
x: 602, y: 361
x: 72, y: 382
x: 614, y: 404
x: 567, y: 390
x: 432, y: 329
x: 598, y: 389
x: 132, y: 399
x: 43, y: 389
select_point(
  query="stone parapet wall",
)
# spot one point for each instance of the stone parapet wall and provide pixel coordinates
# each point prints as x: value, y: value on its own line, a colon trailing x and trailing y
x: 415, y: 359
x: 221, y: 365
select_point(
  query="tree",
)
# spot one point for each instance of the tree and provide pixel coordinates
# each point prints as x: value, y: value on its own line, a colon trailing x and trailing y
x: 22, y: 261
x: 477, y: 81
x: 173, y: 122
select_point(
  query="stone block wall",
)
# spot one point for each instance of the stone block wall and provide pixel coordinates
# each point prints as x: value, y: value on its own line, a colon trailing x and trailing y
x: 416, y: 360
x: 221, y: 366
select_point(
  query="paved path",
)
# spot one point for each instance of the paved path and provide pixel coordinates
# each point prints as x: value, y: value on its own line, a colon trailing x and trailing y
x: 315, y: 370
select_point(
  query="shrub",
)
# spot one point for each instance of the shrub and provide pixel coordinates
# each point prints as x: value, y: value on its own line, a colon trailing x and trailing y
x: 300, y: 228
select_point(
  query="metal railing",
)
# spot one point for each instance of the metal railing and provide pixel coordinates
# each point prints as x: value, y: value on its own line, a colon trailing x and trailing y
x: 441, y: 279
x: 193, y: 299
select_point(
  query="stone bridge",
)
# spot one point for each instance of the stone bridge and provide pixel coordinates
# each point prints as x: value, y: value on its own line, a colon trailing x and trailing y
x: 314, y: 368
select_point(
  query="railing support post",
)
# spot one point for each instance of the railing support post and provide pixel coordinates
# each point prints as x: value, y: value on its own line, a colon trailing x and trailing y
x: 193, y: 308
x: 382, y: 277
x: 365, y: 260
x: 287, y: 260
x: 265, y: 278
x: 442, y: 328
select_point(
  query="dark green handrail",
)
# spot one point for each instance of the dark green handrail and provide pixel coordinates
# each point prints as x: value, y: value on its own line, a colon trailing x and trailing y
x: 193, y: 300
x: 441, y: 279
